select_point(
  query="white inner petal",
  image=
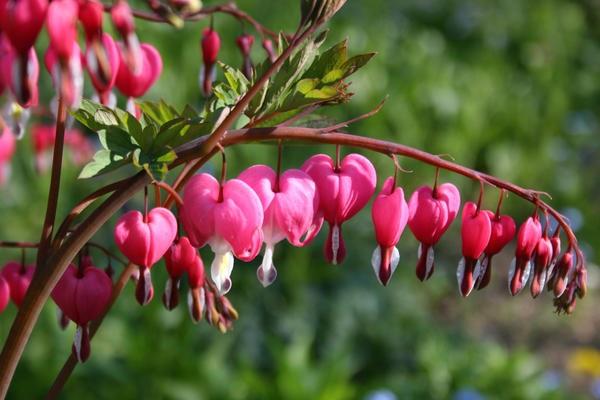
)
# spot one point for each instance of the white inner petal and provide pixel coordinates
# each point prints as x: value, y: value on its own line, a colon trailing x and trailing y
x: 460, y: 273
x: 511, y: 273
x: 267, y: 273
x: 429, y: 262
x: 220, y: 271
x: 77, y: 342
x: 335, y: 243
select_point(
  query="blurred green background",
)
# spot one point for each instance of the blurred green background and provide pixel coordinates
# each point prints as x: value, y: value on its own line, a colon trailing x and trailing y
x: 507, y: 87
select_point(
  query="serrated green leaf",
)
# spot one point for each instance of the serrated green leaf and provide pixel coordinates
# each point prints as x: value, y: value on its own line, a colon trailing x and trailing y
x: 353, y: 64
x: 117, y: 141
x: 86, y: 119
x: 105, y: 117
x: 331, y: 59
x: 159, y: 113
x: 102, y: 163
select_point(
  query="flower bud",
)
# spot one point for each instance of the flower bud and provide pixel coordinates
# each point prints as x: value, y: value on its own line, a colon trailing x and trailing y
x: 543, y: 256
x: 528, y: 237
x: 563, y: 268
x: 244, y: 43
x: 502, y: 232
x: 475, y: 232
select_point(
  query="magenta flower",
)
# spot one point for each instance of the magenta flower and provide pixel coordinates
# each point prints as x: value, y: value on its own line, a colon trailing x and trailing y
x: 136, y: 84
x: 4, y: 293
x: 475, y: 231
x: 244, y: 43
x: 144, y: 240
x: 343, y: 191
x: 289, y: 203
x: 196, y: 295
x: 431, y: 212
x: 122, y: 18
x: 91, y: 13
x: 502, y: 232
x: 82, y: 294
x: 543, y: 257
x: 211, y: 43
x: 228, y: 218
x: 562, y: 277
x: 178, y: 259
x: 528, y: 237
x: 21, y: 73
x: 389, y: 215
x: 103, y: 79
x: 7, y: 149
x: 267, y: 44
x: 67, y: 75
x: 18, y: 276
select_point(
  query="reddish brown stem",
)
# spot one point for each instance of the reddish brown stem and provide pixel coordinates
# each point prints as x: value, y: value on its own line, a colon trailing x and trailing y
x: 19, y: 245
x: 48, y: 228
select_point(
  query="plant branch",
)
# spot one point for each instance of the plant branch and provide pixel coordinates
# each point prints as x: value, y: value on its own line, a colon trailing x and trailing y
x: 19, y: 245
x: 57, y: 158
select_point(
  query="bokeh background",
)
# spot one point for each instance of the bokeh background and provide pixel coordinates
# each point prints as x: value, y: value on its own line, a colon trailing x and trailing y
x: 507, y: 87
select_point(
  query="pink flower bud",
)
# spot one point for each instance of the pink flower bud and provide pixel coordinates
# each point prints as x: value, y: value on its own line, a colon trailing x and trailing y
x: 268, y: 46
x: 502, y: 232
x: 431, y: 212
x: 61, y: 23
x: 178, y: 259
x: 543, y: 256
x: 211, y: 43
x: 103, y: 77
x: 475, y: 231
x: 18, y: 276
x: 122, y: 18
x: 22, y: 22
x: 4, y: 293
x: 144, y: 241
x: 7, y: 150
x: 528, y: 237
x: 90, y: 15
x: 21, y: 72
x: 196, y: 295
x: 244, y: 43
x: 389, y: 215
x: 82, y: 294
x: 563, y: 268
x: 343, y: 191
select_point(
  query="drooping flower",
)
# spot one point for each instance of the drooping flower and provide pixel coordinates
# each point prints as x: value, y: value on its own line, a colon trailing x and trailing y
x: 389, y: 215
x: 543, y: 257
x: 267, y: 44
x: 502, y: 232
x: 63, y: 57
x: 122, y: 18
x: 528, y: 237
x: 102, y: 62
x: 178, y: 259
x: 562, y: 278
x: 211, y: 43
x: 22, y: 73
x: 7, y: 149
x: 21, y: 21
x: 82, y: 294
x: 228, y: 217
x: 288, y: 203
x: 136, y: 84
x: 196, y: 294
x: 244, y: 43
x: 4, y: 293
x: 476, y: 230
x: 144, y: 240
x: 18, y: 276
x: 343, y: 191
x: 431, y: 212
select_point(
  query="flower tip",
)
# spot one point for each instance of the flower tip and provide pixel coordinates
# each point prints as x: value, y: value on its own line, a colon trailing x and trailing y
x: 266, y: 276
x: 465, y: 275
x: 425, y: 264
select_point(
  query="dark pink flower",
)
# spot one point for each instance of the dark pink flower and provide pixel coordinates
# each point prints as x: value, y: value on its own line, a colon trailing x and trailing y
x: 528, y: 237
x: 476, y: 230
x: 123, y: 21
x: 21, y: 73
x: 144, y: 240
x: 268, y: 46
x: 4, y: 293
x: 178, y: 259
x: 22, y: 21
x: 389, y: 215
x: 289, y: 203
x: 562, y: 277
x: 502, y: 232
x: 431, y: 212
x: 343, y: 191
x: 83, y: 295
x: 244, y: 43
x: 103, y: 77
x: 7, y: 150
x: 91, y: 13
x: 211, y: 43
x: 196, y: 294
x: 228, y: 218
x: 18, y: 276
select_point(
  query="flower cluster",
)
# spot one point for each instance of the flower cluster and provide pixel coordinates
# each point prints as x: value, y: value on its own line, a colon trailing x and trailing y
x: 234, y: 217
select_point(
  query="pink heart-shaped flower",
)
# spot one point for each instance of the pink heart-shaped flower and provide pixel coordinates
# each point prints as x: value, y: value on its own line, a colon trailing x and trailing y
x: 343, y: 191
x: 476, y: 230
x: 502, y: 232
x: 61, y: 24
x: 18, y: 278
x: 22, y: 22
x: 528, y: 237
x: 4, y: 293
x: 133, y: 84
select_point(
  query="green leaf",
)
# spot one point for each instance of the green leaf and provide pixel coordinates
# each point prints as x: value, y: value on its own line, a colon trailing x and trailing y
x: 329, y: 60
x: 333, y: 76
x: 104, y: 161
x: 353, y: 64
x: 106, y: 117
x: 117, y: 141
x: 159, y: 113
x: 306, y: 85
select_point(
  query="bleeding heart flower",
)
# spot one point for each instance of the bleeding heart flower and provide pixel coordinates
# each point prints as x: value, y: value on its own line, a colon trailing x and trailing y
x: 211, y: 43
x: 528, y: 237
x: 178, y: 259
x: 244, y: 43
x: 18, y: 276
x: 122, y: 18
x: 133, y: 84
x: 431, y: 212
x: 268, y: 46
x: 22, y: 22
x: 289, y: 203
x: 389, y: 215
x: 343, y: 191
x: 196, y: 294
x: 102, y: 62
x: 67, y: 75
x: 4, y: 293
x: 562, y: 278
x: 543, y: 256
x: 144, y: 241
x: 5, y: 55
x: 82, y: 294
x: 91, y: 13
x: 475, y: 231
x: 22, y: 73
x: 502, y: 232
x: 555, y: 241
x: 7, y: 149
x: 228, y: 218
x: 61, y: 23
